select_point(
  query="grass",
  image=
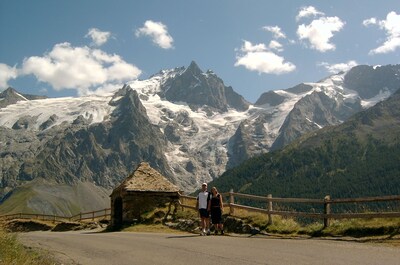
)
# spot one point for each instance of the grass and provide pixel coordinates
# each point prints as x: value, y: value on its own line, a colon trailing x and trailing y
x: 359, y: 228
x: 355, y: 228
x: 13, y: 252
x: 388, y: 228
x: 18, y: 202
x: 368, y: 229
x: 279, y: 225
x: 187, y: 214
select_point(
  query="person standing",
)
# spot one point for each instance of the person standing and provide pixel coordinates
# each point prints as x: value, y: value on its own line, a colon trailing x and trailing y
x: 216, y: 207
x: 202, y: 206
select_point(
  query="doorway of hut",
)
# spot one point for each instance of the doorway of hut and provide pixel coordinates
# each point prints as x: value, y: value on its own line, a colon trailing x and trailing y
x: 117, y: 217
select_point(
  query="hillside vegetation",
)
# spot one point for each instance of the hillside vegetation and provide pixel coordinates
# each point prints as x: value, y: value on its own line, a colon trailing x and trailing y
x: 13, y: 252
x: 357, y: 158
x: 61, y: 199
x: 248, y: 222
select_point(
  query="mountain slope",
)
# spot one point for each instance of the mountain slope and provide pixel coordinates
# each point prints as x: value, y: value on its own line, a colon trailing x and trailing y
x: 334, y: 99
x: 11, y: 96
x: 42, y: 196
x: 100, y: 154
x: 96, y: 152
x: 186, y: 123
x: 357, y: 158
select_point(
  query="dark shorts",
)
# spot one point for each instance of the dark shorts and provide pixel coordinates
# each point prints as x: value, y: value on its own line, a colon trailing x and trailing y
x: 216, y: 215
x: 204, y: 213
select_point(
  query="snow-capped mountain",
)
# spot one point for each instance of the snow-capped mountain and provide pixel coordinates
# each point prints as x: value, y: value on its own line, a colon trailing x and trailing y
x: 184, y: 122
x: 10, y: 96
x: 334, y: 99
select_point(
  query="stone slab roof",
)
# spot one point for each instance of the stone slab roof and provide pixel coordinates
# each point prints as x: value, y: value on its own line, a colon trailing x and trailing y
x: 145, y: 178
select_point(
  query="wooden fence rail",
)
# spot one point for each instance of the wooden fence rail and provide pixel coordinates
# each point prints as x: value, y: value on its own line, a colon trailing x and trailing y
x: 100, y: 214
x: 44, y: 217
x: 326, y: 203
x: 190, y: 202
x: 105, y: 213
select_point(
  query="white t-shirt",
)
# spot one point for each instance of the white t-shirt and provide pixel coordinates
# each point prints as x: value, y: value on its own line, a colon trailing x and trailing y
x: 202, y: 198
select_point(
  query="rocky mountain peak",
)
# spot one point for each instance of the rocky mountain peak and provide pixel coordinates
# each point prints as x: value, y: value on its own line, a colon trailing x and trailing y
x: 202, y: 90
x: 271, y: 98
x: 194, y: 68
x: 369, y: 81
x: 128, y: 106
x: 9, y: 92
x: 10, y: 96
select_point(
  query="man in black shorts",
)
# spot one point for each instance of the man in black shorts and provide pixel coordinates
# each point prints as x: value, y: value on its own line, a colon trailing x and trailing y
x: 202, y: 206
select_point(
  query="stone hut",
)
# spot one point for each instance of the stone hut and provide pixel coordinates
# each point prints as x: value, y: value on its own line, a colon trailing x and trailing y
x: 140, y: 192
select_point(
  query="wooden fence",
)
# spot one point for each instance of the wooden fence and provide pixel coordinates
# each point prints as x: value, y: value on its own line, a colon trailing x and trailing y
x: 326, y: 206
x: 100, y: 214
x: 104, y: 214
x: 189, y: 202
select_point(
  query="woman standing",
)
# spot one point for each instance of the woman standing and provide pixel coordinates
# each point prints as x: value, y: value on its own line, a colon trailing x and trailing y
x: 216, y: 207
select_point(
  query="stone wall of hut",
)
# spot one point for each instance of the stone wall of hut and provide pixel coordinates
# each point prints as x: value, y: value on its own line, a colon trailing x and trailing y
x: 134, y: 204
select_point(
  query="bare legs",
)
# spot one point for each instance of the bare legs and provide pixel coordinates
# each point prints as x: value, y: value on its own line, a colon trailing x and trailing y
x: 205, y: 225
x: 219, y: 227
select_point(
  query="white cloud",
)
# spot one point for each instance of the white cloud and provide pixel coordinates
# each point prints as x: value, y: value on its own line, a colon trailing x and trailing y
x: 336, y: 68
x: 158, y: 32
x: 6, y: 73
x: 392, y: 27
x: 276, y: 31
x: 80, y: 68
x: 258, y: 58
x: 43, y: 90
x: 104, y: 89
x: 98, y: 37
x: 307, y: 12
x: 274, y: 45
x: 320, y: 31
x: 249, y: 47
x: 370, y: 21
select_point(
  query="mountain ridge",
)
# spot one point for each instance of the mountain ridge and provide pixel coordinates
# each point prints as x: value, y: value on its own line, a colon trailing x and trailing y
x: 11, y: 96
x: 354, y: 159
x: 100, y: 138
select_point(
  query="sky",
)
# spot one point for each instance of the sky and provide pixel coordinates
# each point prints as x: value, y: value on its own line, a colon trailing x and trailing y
x: 63, y: 48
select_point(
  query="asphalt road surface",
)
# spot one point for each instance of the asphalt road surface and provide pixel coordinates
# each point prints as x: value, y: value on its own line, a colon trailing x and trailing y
x: 122, y: 248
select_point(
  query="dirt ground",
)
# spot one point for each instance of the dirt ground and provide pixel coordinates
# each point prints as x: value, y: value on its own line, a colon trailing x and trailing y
x: 26, y: 225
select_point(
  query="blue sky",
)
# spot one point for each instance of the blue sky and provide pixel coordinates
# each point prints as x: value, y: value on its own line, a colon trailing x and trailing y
x: 68, y: 48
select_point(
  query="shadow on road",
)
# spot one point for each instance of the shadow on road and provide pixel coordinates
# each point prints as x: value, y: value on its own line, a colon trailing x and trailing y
x: 183, y: 236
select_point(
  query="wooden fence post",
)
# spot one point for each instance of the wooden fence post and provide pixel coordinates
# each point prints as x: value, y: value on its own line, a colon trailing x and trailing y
x: 231, y: 202
x: 269, y: 207
x: 327, y: 210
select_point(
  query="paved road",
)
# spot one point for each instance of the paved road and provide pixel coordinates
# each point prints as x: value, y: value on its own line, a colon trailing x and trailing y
x: 122, y: 248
